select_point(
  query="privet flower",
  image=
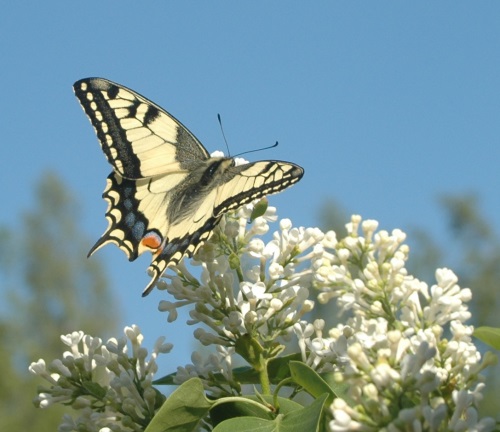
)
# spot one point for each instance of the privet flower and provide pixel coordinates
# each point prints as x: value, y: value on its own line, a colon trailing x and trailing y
x: 249, y: 293
x: 391, y: 348
x: 391, y: 351
x: 110, y: 384
x: 246, y: 287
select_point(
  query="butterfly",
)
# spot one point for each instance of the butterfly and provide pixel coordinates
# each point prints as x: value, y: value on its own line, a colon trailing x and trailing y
x: 166, y: 193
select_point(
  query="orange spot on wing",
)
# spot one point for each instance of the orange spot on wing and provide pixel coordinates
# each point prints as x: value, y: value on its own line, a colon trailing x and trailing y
x: 152, y: 241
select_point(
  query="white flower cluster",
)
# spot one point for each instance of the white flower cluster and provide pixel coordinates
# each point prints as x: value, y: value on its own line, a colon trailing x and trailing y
x: 273, y: 291
x: 402, y: 373
x: 405, y: 354
x: 216, y: 371
x: 110, y: 387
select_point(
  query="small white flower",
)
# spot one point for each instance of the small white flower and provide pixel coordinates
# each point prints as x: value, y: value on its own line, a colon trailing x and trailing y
x: 119, y: 376
x: 171, y: 308
x: 390, y: 352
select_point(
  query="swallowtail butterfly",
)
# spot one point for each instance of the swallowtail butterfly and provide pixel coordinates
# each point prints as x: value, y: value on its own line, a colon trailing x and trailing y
x: 166, y: 193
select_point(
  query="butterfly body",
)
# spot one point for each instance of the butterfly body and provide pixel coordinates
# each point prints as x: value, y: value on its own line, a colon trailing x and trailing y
x: 166, y: 194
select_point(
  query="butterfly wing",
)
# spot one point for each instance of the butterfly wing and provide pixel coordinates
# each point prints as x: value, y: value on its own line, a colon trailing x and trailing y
x: 138, y: 137
x: 161, y: 214
x: 229, y: 187
x: 151, y: 153
x: 136, y: 214
x: 245, y: 183
x: 166, y: 193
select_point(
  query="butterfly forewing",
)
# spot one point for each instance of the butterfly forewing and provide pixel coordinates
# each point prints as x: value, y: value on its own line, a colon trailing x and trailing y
x: 245, y: 183
x: 166, y: 194
x: 138, y: 137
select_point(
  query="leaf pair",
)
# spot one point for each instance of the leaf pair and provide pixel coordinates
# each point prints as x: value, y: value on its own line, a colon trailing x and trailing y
x: 188, y: 405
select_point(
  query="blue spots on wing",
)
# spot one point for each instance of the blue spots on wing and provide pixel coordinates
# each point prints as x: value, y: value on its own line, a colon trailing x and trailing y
x: 130, y: 219
x: 170, y: 249
x: 138, y: 230
x: 128, y: 204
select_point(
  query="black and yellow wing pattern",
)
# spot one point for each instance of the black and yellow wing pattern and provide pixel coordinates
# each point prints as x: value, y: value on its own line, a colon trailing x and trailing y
x: 166, y: 194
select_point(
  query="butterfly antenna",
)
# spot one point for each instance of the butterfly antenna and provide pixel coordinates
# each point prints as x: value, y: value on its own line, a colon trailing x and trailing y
x: 223, y: 134
x: 245, y: 152
x: 256, y: 150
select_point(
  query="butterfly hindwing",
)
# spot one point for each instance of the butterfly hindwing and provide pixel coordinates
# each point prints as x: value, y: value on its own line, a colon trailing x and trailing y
x: 232, y: 187
x: 136, y: 213
x: 184, y: 244
x: 166, y: 194
x: 146, y: 214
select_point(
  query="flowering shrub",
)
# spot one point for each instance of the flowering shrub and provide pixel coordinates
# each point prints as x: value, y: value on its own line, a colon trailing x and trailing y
x: 403, y: 359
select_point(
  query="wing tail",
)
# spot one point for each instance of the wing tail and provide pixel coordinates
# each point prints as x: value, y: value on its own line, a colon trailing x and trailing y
x: 177, y: 248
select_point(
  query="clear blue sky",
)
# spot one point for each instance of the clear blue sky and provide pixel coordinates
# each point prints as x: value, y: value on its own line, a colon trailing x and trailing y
x: 385, y: 104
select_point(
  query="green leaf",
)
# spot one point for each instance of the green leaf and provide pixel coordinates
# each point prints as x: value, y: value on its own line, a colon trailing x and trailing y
x: 311, y: 381
x: 94, y: 389
x: 245, y: 424
x: 286, y: 405
x: 183, y: 410
x: 341, y: 389
x: 166, y: 380
x: 250, y: 406
x: 277, y: 368
x: 307, y: 418
x: 232, y: 407
x: 250, y: 349
x: 259, y: 209
x: 489, y: 335
x: 299, y: 420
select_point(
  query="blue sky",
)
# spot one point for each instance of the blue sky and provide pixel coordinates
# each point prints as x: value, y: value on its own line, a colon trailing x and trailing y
x: 386, y: 105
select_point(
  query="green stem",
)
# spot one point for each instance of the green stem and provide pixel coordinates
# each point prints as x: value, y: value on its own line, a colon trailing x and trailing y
x: 264, y: 378
x: 285, y: 382
x: 239, y: 273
